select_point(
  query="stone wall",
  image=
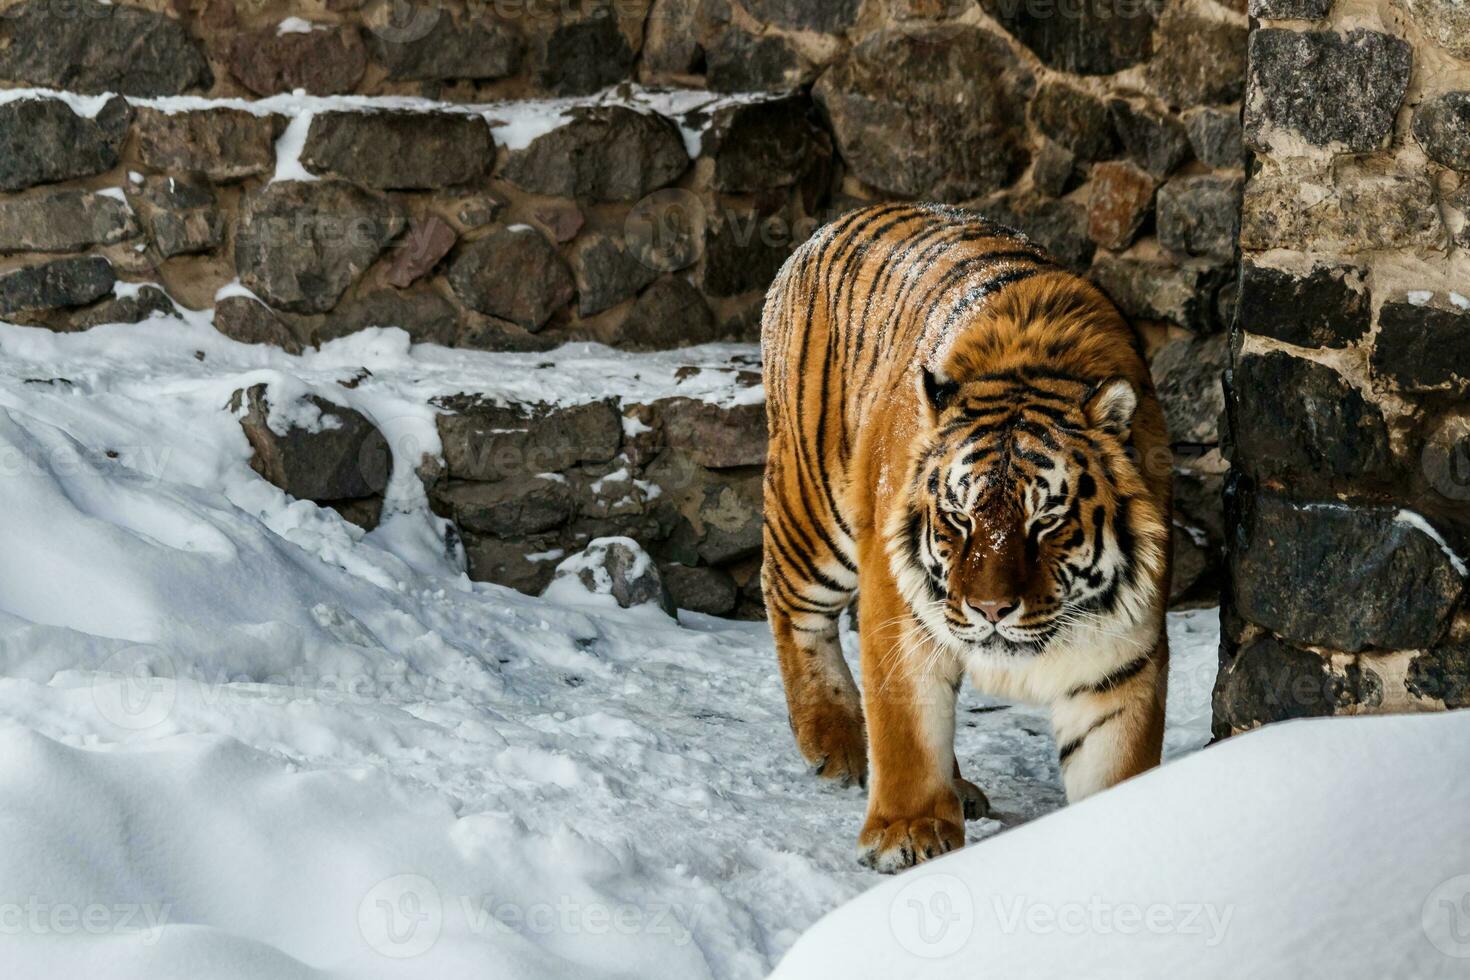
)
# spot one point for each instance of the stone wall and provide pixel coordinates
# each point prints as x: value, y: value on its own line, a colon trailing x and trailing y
x: 1349, y: 495
x: 1107, y: 129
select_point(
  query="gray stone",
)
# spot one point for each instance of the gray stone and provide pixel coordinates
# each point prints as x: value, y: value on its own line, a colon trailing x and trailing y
x: 180, y: 216
x: 763, y: 145
x: 344, y: 458
x: 1341, y: 576
x: 1192, y: 568
x: 1198, y: 492
x: 604, y: 153
x: 1217, y: 137
x: 1094, y: 37
x: 327, y: 60
x: 713, y: 435
x: 581, y: 57
x: 702, y: 590
x: 1327, y: 307
x: 507, y: 508
x: 1352, y: 214
x: 1441, y: 674
x: 1158, y: 289
x: 1421, y: 348
x: 1267, y: 681
x: 301, y: 244
x: 43, y: 141
x: 1060, y: 227
x: 512, y: 273
x: 904, y: 100
x: 243, y: 319
x: 671, y: 313
x: 146, y: 303
x: 1078, y: 121
x: 823, y: 16
x: 448, y: 50
x: 1296, y: 421
x: 1329, y: 89
x: 606, y: 273
x: 480, y: 332
x: 1442, y: 127
x: 714, y: 517
x: 1054, y: 170
x: 399, y: 150
x: 64, y: 221
x: 619, y: 567
x: 743, y: 251
x: 56, y: 285
x: 738, y: 61
x: 1445, y: 22
x: 222, y: 144
x: 1198, y: 60
x: 492, y: 442
x: 1152, y: 138
x: 1186, y: 375
x: 504, y: 562
x: 1200, y: 215
x: 1290, y: 9
x: 426, y: 316
x: 676, y: 34
x: 86, y: 46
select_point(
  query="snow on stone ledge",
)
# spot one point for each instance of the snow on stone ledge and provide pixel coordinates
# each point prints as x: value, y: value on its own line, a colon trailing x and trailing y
x: 515, y: 123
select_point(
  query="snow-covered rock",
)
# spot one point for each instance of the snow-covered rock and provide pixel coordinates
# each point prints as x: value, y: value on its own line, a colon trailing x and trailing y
x: 616, y: 567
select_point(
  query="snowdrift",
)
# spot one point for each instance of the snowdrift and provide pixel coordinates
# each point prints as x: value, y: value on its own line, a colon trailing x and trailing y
x: 1333, y: 848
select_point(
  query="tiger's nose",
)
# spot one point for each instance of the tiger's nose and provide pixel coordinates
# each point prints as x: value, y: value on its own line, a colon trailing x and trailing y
x: 994, y: 609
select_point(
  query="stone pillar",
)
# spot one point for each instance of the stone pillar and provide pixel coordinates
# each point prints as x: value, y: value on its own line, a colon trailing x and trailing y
x: 1348, y: 501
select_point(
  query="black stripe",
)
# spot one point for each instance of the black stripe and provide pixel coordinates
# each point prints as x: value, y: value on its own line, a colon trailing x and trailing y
x: 1112, y: 681
x: 1067, y: 750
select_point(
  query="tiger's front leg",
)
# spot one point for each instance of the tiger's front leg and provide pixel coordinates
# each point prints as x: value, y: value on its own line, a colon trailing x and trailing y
x: 1113, y: 729
x: 914, y: 811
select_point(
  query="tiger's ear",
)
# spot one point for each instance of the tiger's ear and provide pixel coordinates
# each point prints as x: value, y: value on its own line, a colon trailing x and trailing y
x: 936, y: 389
x: 1111, y: 406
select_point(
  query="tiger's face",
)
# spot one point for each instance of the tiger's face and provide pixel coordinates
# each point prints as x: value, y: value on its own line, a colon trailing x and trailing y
x: 1021, y: 517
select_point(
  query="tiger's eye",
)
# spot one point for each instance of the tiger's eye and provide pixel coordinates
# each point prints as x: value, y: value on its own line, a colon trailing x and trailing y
x: 960, y: 519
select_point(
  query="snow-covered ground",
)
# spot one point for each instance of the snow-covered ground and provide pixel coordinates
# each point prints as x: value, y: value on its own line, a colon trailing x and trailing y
x: 241, y: 738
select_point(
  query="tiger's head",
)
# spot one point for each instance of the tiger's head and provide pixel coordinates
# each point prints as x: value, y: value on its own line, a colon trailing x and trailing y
x: 1025, y: 514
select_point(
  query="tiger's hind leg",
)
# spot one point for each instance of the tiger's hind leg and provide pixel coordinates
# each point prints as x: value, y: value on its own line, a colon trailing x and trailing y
x: 825, y: 709
x: 806, y: 591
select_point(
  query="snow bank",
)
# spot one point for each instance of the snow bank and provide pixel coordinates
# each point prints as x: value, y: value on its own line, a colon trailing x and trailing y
x: 1333, y: 848
x: 241, y: 738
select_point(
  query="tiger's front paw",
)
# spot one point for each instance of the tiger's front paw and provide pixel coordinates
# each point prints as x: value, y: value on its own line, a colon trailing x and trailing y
x: 891, y: 846
x: 835, y: 744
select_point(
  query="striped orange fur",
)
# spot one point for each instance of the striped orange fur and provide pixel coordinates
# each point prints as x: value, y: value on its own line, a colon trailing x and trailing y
x: 958, y: 434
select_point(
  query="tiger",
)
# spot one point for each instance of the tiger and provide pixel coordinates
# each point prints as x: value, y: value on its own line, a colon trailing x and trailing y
x: 965, y: 445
